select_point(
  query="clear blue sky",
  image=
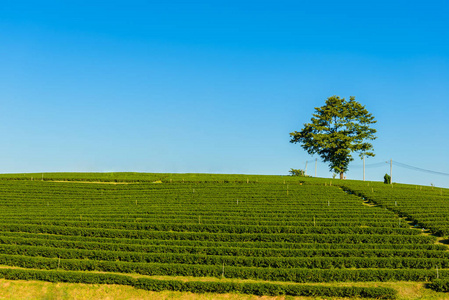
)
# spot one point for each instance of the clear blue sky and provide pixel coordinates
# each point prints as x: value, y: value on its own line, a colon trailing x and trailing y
x: 217, y: 86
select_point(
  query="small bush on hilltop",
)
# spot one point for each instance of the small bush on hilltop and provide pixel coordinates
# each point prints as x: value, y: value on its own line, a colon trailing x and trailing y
x: 296, y: 172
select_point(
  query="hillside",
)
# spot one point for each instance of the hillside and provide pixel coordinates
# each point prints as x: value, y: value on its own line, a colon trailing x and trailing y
x: 248, y: 234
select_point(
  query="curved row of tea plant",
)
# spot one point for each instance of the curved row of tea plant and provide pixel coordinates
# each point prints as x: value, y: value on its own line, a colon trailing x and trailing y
x: 270, y: 289
x: 304, y: 250
x: 427, y: 207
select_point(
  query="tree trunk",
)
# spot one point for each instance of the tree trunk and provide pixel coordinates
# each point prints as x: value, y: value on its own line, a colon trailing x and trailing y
x: 341, y: 176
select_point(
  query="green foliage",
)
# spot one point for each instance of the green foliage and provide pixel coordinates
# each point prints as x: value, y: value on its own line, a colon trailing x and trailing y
x: 387, y: 179
x: 426, y: 207
x: 439, y: 285
x: 270, y: 289
x: 336, y: 130
x: 310, y: 259
x: 296, y: 172
x: 281, y: 228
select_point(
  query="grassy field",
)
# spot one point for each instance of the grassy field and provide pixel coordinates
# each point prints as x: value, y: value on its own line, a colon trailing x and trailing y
x: 218, y: 236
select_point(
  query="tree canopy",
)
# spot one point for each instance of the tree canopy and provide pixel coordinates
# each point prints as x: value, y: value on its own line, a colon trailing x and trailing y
x: 336, y: 130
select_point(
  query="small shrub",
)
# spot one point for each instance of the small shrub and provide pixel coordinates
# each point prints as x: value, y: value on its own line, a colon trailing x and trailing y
x: 296, y: 172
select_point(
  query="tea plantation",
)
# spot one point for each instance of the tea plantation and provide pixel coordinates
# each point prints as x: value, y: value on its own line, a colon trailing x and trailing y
x: 283, y: 233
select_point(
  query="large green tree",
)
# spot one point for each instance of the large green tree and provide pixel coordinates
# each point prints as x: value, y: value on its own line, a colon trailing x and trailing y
x: 336, y: 130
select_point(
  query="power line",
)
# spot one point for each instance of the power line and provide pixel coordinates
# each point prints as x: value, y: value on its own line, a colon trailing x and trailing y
x: 419, y: 169
x: 374, y: 165
x: 402, y: 165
